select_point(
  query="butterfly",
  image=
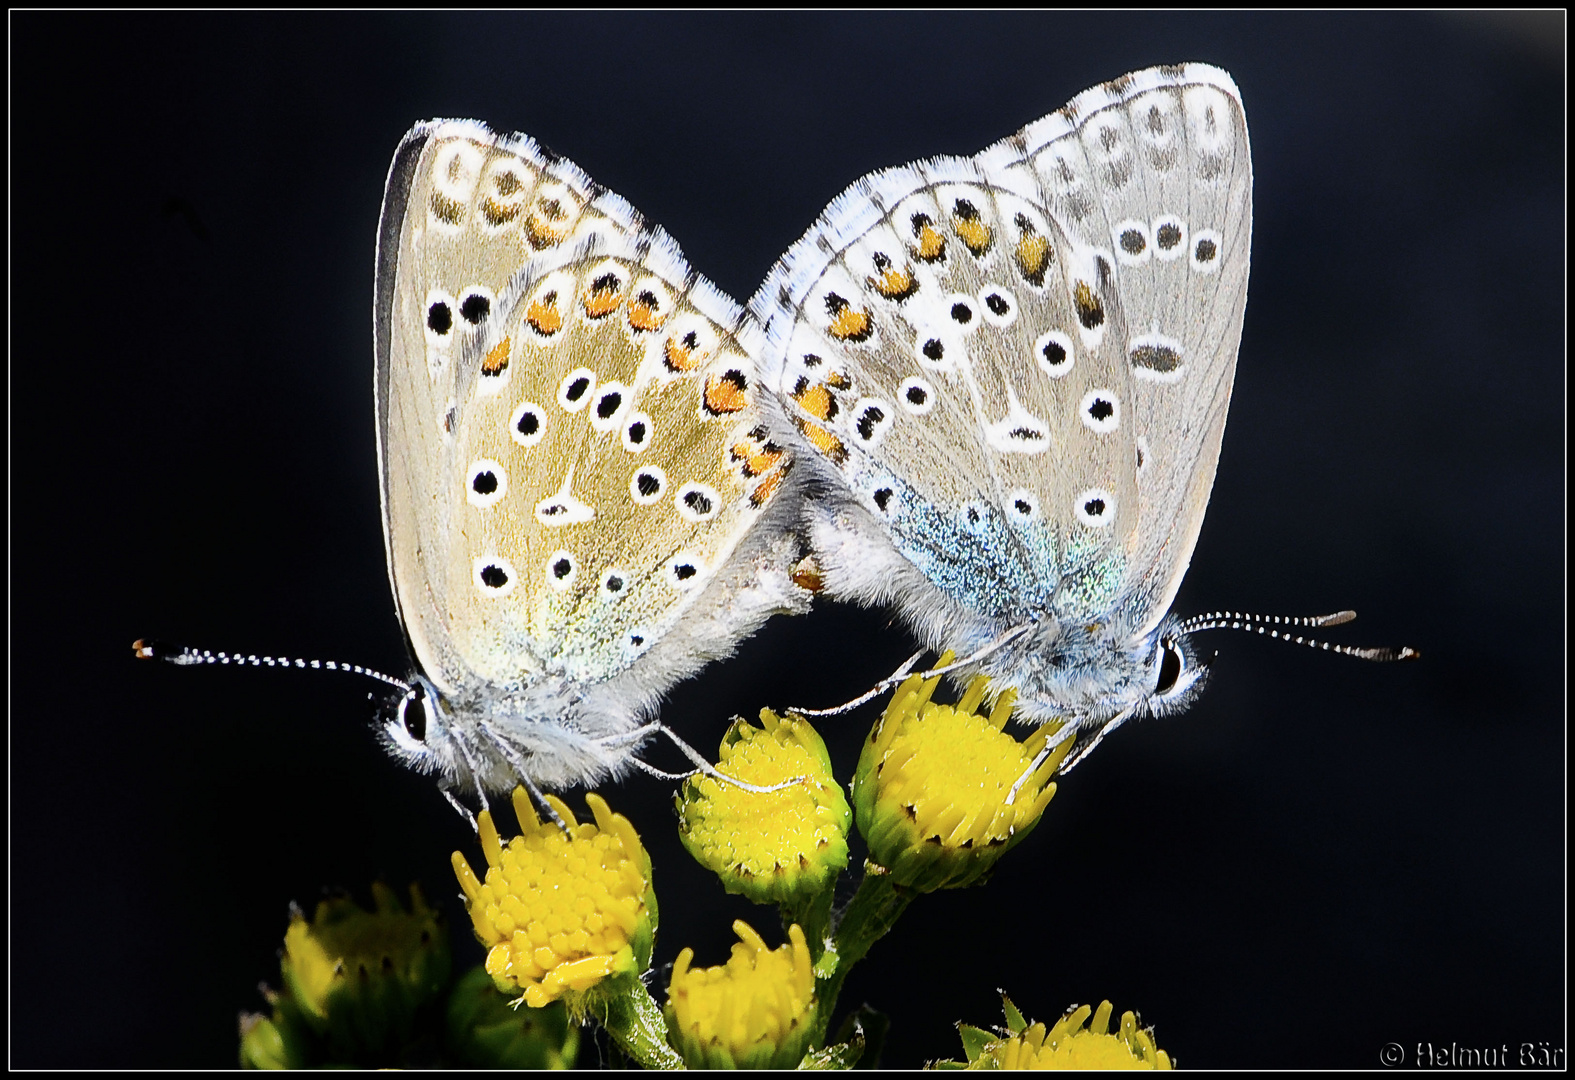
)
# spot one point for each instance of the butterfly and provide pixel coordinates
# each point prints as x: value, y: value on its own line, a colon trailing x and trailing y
x: 582, y: 499
x: 1009, y: 374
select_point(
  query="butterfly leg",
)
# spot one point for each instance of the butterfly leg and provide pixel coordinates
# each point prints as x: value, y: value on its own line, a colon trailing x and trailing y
x: 904, y: 671
x: 1050, y: 747
x: 464, y: 811
x: 704, y: 766
x: 515, y: 759
x: 1087, y: 746
x: 627, y: 738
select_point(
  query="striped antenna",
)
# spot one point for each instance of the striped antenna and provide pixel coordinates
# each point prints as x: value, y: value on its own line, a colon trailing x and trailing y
x: 147, y: 649
x: 1283, y: 627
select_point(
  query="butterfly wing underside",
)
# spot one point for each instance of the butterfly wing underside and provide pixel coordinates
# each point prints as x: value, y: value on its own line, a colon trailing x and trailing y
x: 573, y: 456
x: 1018, y: 365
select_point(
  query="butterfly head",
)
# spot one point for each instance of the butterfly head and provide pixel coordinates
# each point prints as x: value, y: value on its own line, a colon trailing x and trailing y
x: 1094, y: 672
x: 1177, y: 672
x: 415, y: 728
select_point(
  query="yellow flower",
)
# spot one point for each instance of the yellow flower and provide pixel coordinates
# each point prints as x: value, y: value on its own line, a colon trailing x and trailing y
x: 933, y: 783
x: 757, y: 1011
x: 560, y: 914
x: 1069, y: 1045
x: 354, y: 981
x: 773, y: 847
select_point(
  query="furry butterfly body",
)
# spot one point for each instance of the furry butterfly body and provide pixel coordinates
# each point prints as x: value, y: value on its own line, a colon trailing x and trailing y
x: 582, y: 503
x: 1009, y: 376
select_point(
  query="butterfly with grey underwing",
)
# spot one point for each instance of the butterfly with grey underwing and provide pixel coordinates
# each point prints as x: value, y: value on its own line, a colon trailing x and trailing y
x: 1009, y: 375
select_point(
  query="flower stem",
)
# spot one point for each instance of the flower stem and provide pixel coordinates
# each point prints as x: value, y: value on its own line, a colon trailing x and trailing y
x: 873, y: 911
x: 635, y: 1021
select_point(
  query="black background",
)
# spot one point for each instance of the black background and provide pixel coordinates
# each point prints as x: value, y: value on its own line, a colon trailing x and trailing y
x: 1323, y: 856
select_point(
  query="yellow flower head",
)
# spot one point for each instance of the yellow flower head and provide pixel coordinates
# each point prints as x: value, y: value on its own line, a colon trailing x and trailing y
x: 1070, y: 1045
x: 754, y: 1012
x: 354, y: 981
x: 933, y: 783
x: 561, y: 914
x: 773, y: 847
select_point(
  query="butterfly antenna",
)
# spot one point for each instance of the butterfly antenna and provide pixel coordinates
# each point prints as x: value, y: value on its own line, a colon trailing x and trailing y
x: 1283, y: 627
x: 904, y: 672
x: 148, y: 649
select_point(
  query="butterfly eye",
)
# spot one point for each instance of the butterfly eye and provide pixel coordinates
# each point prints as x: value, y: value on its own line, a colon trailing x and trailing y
x: 932, y: 355
x: 577, y: 388
x: 1132, y: 242
x: 872, y: 418
x: 997, y: 306
x: 562, y: 569
x: 614, y: 583
x: 486, y: 482
x: 683, y: 571
x: 608, y: 411
x: 1170, y: 665
x: 413, y: 713
x: 698, y: 502
x: 916, y: 395
x: 1095, y: 508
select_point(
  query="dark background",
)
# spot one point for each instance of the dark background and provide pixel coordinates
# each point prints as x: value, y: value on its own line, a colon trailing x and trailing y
x: 1322, y: 857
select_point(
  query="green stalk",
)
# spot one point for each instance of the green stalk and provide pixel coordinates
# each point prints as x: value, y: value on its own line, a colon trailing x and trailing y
x: 635, y: 1022
x: 872, y: 912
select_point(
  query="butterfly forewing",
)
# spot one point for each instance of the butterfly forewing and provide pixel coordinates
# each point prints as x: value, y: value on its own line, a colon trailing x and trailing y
x: 573, y: 446
x: 1047, y: 333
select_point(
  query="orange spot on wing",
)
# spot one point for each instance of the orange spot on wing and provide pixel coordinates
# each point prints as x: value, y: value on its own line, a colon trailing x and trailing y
x: 816, y: 400
x: 544, y: 316
x: 448, y: 211
x: 931, y: 245
x: 758, y: 458
x: 1033, y: 256
x: 975, y: 233
x: 766, y: 489
x: 602, y: 302
x: 644, y: 313
x: 822, y: 440
x: 497, y: 359
x: 850, y: 324
x: 547, y: 223
x: 679, y: 357
x: 725, y: 393
x: 838, y: 381
x: 895, y: 284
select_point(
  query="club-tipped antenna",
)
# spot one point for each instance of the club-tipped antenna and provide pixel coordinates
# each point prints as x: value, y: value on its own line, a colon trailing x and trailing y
x: 184, y: 656
x: 1284, y: 628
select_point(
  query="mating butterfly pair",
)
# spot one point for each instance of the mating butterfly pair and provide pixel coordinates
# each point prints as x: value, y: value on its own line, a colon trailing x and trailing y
x: 989, y: 391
